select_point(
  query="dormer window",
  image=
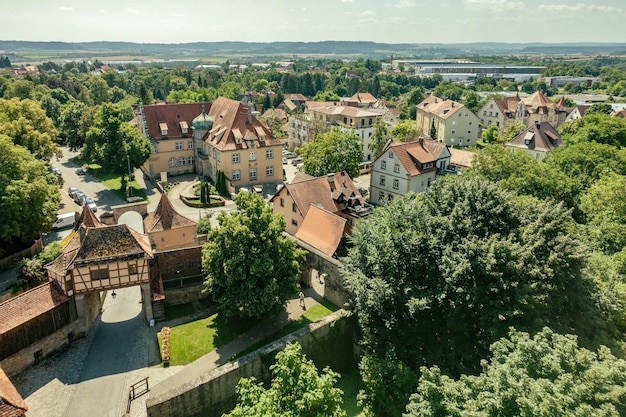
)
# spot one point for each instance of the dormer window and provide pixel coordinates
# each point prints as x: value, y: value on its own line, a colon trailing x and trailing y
x: 238, y: 141
x: 261, y: 138
x: 163, y: 127
x: 184, y: 128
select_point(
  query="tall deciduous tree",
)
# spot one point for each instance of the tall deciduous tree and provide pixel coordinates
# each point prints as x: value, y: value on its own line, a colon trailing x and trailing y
x: 332, y: 151
x: 115, y: 144
x: 251, y: 267
x: 26, y: 123
x: 596, y: 127
x: 29, y: 197
x: 544, y: 375
x: 441, y: 275
x: 379, y: 137
x: 296, y: 390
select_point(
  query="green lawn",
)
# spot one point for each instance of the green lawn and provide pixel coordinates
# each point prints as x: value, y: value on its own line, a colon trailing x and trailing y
x: 112, y: 181
x: 313, y: 314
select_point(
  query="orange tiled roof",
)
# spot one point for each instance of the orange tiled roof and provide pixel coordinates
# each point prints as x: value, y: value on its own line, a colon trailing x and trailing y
x: 411, y: 155
x: 11, y: 402
x: 232, y: 125
x: 322, y: 229
x: 171, y: 116
x: 461, y: 158
x: 165, y: 217
x: 439, y: 107
x: 365, y: 98
x: 30, y: 304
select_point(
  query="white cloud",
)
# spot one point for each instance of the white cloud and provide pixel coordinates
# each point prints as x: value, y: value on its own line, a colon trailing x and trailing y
x: 66, y: 9
x: 580, y: 7
x: 133, y: 11
x: 368, y: 13
x: 495, y: 5
x: 347, y: 1
x: 404, y: 4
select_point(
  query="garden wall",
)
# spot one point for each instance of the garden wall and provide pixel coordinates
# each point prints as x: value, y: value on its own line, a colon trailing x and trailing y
x: 196, y: 392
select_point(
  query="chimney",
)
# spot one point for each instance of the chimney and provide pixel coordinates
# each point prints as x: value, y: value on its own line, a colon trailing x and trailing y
x: 249, y: 113
x: 421, y: 140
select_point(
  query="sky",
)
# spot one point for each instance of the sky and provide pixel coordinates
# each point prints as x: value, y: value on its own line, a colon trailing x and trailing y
x: 393, y: 21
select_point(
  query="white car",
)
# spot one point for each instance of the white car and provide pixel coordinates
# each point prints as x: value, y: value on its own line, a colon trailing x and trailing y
x: 91, y: 204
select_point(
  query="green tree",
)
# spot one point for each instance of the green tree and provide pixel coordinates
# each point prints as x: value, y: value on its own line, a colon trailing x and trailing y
x: 29, y: 196
x: 585, y: 162
x: 510, y: 130
x: 405, y: 131
x: 487, y: 261
x: 595, y: 127
x: 244, y: 277
x: 30, y: 273
x: 545, y: 375
x: 472, y: 101
x: 27, y: 125
x: 332, y: 151
x: 115, y: 144
x: 204, y: 225
x: 519, y: 172
x: 296, y: 390
x: 490, y: 135
x: 602, y: 108
x: 326, y: 96
x: 72, y: 128
x: 380, y: 136
x: 604, y: 205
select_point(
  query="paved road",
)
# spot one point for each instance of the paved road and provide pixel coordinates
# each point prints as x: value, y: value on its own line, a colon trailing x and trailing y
x: 102, y: 379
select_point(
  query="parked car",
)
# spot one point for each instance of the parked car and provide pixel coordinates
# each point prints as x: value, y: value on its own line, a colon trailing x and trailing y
x: 71, y: 191
x: 56, y: 170
x: 296, y: 161
x: 64, y: 220
x: 80, y: 171
x: 79, y: 197
x: 91, y: 204
x: 284, y: 161
x: 289, y: 155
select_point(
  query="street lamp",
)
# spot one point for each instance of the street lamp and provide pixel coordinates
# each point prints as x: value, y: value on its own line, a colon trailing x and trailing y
x: 130, y: 192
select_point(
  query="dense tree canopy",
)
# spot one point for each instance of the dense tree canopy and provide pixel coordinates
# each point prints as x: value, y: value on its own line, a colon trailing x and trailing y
x: 115, y: 144
x: 29, y: 197
x: 541, y: 376
x: 440, y: 276
x: 596, y: 127
x: 332, y: 151
x: 26, y: 123
x: 250, y: 267
x: 296, y: 390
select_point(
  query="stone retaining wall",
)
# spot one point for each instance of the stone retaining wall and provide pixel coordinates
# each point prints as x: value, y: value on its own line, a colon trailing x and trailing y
x: 329, y: 342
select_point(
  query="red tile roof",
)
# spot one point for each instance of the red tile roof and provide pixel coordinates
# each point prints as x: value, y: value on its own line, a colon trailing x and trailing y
x: 28, y: 305
x: 439, y: 107
x: 232, y: 125
x: 322, y: 229
x: 412, y: 155
x: 171, y: 116
x: 11, y: 402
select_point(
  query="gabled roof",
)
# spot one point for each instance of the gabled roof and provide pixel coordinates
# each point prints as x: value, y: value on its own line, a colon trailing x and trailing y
x: 322, y: 229
x: 111, y: 242
x: 279, y: 113
x: 541, y: 137
x: 363, y: 98
x: 411, y: 155
x: 233, y: 127
x: 334, y: 192
x: 507, y: 105
x: 443, y: 108
x: 538, y: 103
x: 171, y: 116
x: 11, y: 402
x: 349, y: 111
x: 437, y: 149
x: 88, y: 218
x: 165, y: 217
x: 29, y: 304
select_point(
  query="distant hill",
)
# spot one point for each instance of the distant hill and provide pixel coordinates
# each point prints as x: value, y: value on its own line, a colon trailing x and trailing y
x: 29, y: 51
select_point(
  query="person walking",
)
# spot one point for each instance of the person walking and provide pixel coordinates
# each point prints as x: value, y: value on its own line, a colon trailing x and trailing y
x: 301, y: 295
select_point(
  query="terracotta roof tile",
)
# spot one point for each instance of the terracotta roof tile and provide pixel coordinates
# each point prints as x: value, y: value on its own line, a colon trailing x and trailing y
x: 30, y: 304
x: 322, y: 229
x: 11, y: 402
x: 411, y: 155
x: 231, y: 121
x: 170, y: 115
x: 440, y: 107
x: 461, y: 158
